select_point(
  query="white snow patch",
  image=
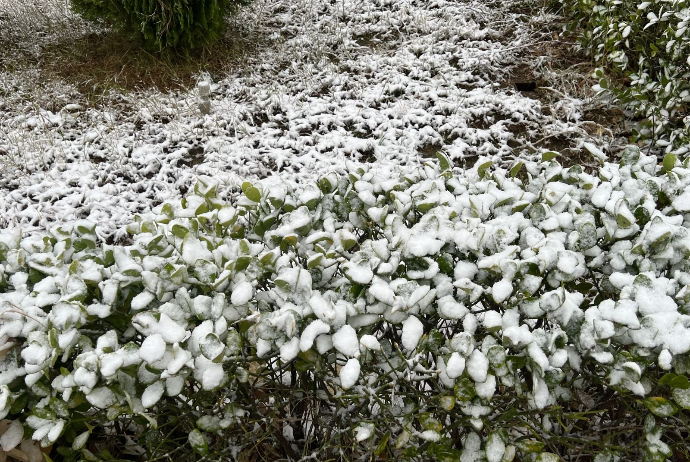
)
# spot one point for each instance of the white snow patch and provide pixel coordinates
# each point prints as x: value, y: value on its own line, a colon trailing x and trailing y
x: 349, y: 373
x: 346, y: 342
x: 412, y: 331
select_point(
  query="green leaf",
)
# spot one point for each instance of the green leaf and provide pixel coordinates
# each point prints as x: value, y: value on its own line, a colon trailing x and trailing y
x: 325, y: 185
x: 314, y: 260
x: 198, y: 442
x: 443, y: 453
x: 381, y: 447
x: 660, y: 406
x: 666, y: 378
x: 433, y: 341
x: 679, y: 381
x: 669, y: 162
x: 682, y: 397
x: 548, y: 457
x: 80, y: 441
x: 483, y: 168
x: 623, y: 221
x: 429, y: 422
x: 444, y: 162
x: 253, y: 194
x: 417, y: 264
x: 464, y: 390
x: 515, y: 169
x: 517, y: 362
x: 208, y: 423
x: 530, y: 446
x: 446, y: 263
x: 242, y: 263
x: 179, y: 231
x: 212, y: 348
x: 549, y: 155
x: 447, y: 402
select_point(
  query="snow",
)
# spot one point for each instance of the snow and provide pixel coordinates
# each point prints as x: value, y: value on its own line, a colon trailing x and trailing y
x: 152, y: 348
x: 263, y: 347
x: 421, y: 246
x: 370, y: 342
x: 142, y: 300
x: 174, y: 385
x: 152, y: 394
x: 430, y: 435
x: 567, y: 261
x: 364, y: 431
x: 430, y: 81
x: 382, y: 292
x: 455, y: 365
x: 326, y: 311
x: 682, y: 202
x: 242, y: 293
x: 180, y: 357
x: 487, y: 388
x: 324, y: 343
x: 193, y: 249
x: 502, y: 290
x: 289, y: 350
x: 12, y: 436
x: 595, y: 151
x: 210, y: 374
x: 665, y: 359
x: 412, y: 331
x: 492, y: 320
x: 478, y: 366
x: 110, y: 363
x: 380, y: 102
x: 360, y: 274
x: 495, y: 448
x: 36, y: 354
x: 346, y: 342
x: 55, y: 431
x: 310, y: 332
x: 449, y: 308
x: 349, y: 373
x: 101, y: 397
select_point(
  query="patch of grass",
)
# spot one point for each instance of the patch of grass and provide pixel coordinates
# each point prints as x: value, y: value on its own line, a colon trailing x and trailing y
x: 45, y: 39
x: 98, y: 63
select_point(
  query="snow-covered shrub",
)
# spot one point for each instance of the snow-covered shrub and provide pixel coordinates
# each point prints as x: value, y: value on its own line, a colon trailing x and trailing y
x: 647, y: 42
x: 489, y: 314
x: 164, y: 23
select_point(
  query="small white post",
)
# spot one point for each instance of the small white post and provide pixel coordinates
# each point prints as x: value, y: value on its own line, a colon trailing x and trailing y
x: 204, y: 88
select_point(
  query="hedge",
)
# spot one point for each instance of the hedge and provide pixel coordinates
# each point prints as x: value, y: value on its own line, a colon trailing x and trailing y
x: 533, y: 313
x: 164, y: 24
x: 642, y: 49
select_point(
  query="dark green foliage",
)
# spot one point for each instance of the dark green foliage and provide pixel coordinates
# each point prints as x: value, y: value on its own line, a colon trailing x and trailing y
x: 162, y: 24
x: 642, y: 50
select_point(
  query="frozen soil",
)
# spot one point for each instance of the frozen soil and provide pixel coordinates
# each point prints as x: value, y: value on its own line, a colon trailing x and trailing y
x: 382, y: 82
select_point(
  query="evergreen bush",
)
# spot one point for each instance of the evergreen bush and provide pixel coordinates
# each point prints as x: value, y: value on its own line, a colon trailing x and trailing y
x: 540, y: 313
x: 164, y: 23
x: 643, y: 50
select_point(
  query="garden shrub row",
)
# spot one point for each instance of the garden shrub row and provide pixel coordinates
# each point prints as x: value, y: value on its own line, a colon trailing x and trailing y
x: 532, y: 313
x: 164, y: 24
x: 643, y: 50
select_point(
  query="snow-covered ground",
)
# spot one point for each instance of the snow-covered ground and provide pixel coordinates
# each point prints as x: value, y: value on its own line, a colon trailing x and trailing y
x: 388, y: 82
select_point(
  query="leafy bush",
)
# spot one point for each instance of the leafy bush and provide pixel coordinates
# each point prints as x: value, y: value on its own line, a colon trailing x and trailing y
x: 528, y: 314
x: 646, y: 43
x: 164, y: 23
